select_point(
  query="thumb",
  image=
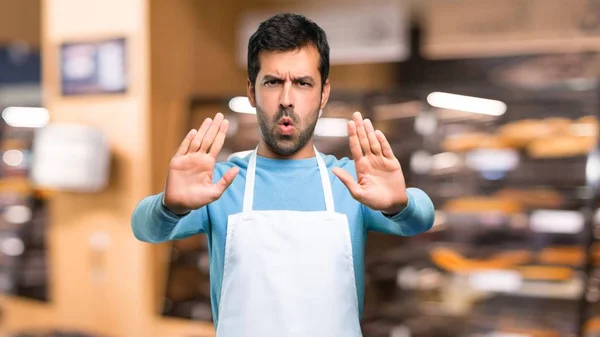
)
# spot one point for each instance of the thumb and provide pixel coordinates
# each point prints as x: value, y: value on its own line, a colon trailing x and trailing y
x: 227, y: 179
x: 354, y: 188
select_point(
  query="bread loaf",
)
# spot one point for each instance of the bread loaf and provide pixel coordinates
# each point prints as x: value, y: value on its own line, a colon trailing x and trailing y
x: 483, y: 204
x: 561, y: 146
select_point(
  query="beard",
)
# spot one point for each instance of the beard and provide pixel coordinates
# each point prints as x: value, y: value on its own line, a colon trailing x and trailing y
x: 285, y: 145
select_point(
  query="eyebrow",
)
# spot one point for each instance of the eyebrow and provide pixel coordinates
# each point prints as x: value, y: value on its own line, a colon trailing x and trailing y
x: 271, y: 78
x: 307, y: 79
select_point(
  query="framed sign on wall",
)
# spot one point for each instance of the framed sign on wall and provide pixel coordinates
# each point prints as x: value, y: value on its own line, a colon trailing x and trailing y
x: 91, y: 68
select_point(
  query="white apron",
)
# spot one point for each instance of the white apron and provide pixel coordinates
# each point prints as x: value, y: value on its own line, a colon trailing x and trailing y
x: 288, y: 273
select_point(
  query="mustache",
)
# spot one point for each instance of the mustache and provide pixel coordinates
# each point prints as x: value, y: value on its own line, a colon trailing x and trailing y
x: 287, y: 112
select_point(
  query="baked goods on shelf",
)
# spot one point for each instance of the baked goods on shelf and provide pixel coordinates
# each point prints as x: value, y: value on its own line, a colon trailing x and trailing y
x: 473, y: 140
x: 520, y: 133
x: 545, y: 273
x: 554, y: 137
x: 453, y: 261
x: 585, y: 126
x: 567, y: 255
x: 533, y: 197
x: 561, y: 146
x: 483, y: 204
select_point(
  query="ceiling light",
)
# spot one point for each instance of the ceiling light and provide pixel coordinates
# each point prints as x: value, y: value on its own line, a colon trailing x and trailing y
x: 25, y: 117
x: 241, y: 104
x: 13, y: 158
x: 466, y: 103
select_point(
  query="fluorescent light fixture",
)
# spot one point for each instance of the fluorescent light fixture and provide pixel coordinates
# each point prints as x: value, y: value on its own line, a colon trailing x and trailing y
x: 506, y: 334
x: 331, y: 127
x: 494, y: 160
x: 421, y: 162
x: 26, y: 117
x: 556, y: 221
x: 17, y: 214
x: 592, y: 168
x: 466, y: 103
x: 445, y: 161
x: 242, y: 105
x: 12, y: 247
x: 496, y: 281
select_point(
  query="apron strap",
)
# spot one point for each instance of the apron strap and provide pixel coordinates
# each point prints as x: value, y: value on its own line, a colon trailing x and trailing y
x: 251, y: 174
x: 329, y: 206
x: 249, y: 189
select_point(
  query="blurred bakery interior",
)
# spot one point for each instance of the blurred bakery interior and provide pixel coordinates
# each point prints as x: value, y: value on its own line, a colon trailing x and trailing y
x: 491, y: 106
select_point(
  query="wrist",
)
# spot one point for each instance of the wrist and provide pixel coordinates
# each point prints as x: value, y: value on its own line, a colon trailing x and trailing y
x: 174, y: 209
x: 395, y: 208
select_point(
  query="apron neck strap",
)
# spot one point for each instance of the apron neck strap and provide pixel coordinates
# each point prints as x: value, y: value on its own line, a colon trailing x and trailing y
x: 251, y: 175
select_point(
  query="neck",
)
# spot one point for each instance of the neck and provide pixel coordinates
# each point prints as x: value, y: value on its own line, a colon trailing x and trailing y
x: 305, y: 152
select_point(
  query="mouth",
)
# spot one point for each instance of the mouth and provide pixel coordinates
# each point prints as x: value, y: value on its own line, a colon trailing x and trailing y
x: 286, y: 126
x: 286, y: 121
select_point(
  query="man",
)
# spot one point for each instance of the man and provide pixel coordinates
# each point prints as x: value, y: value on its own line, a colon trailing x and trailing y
x: 286, y: 225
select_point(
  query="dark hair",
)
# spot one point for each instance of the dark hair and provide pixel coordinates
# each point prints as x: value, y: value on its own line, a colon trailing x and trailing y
x: 287, y: 32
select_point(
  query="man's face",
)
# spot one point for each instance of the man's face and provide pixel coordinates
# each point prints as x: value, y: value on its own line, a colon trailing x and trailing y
x: 287, y: 96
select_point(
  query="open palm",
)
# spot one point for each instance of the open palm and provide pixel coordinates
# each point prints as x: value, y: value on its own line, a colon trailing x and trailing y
x: 189, y: 183
x: 380, y: 182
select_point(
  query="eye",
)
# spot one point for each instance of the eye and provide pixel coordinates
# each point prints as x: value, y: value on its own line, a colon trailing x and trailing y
x: 304, y: 84
x: 271, y: 83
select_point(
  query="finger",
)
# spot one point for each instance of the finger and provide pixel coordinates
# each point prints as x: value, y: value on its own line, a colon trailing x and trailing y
x: 183, y: 147
x: 386, y: 149
x: 226, y: 180
x: 219, y: 139
x: 195, y: 144
x: 373, y: 142
x: 346, y: 178
x: 362, y: 135
x: 211, y: 133
x: 355, y: 148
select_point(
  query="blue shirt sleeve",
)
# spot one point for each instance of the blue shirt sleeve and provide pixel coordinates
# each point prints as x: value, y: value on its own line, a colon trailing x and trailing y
x: 417, y: 217
x: 152, y: 222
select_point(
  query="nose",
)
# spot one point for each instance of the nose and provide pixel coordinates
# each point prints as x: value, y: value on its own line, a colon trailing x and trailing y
x: 286, y: 97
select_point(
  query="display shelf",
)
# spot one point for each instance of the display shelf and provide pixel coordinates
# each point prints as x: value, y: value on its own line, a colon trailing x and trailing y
x: 188, y: 283
x: 406, y: 291
x: 511, y: 186
x: 22, y: 219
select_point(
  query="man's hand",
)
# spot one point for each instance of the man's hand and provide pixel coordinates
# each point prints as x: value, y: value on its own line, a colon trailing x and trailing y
x: 189, y: 183
x: 380, y: 183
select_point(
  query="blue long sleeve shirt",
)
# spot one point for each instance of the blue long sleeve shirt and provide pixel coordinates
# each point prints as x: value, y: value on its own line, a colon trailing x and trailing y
x: 279, y: 185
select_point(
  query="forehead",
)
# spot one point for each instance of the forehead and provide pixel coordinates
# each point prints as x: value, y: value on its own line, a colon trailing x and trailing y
x: 301, y: 62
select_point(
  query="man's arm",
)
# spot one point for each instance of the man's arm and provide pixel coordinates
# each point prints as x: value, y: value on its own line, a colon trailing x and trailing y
x: 417, y: 217
x: 153, y: 222
x: 188, y: 188
x: 375, y: 179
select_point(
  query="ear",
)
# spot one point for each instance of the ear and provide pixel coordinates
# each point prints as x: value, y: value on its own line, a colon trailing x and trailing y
x: 325, y: 93
x: 251, y: 93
